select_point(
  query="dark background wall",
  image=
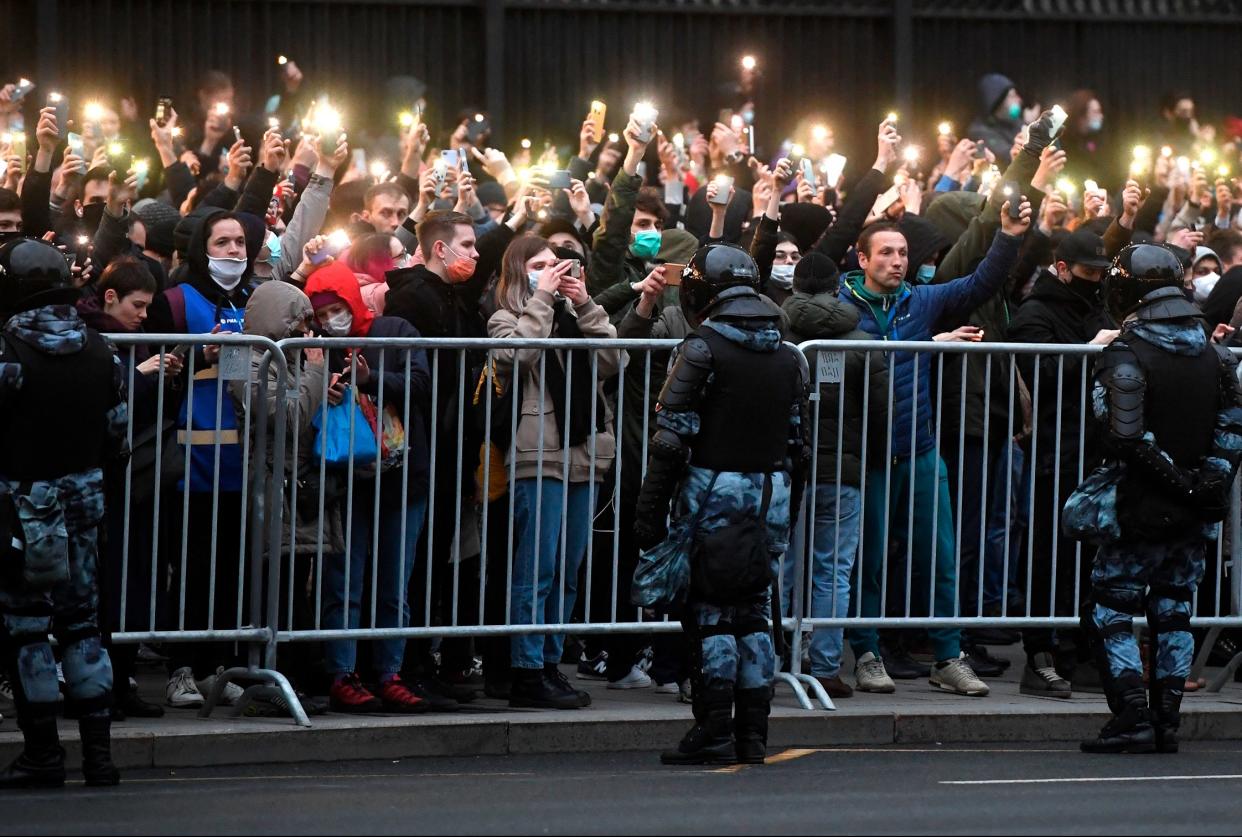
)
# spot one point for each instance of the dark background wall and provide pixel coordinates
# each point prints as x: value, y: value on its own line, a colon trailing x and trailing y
x: 536, y: 64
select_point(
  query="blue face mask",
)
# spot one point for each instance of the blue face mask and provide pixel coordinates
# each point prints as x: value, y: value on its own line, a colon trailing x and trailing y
x: 1095, y: 125
x: 533, y: 278
x: 273, y: 249
x: 1015, y: 111
x: 646, y: 244
x: 926, y: 273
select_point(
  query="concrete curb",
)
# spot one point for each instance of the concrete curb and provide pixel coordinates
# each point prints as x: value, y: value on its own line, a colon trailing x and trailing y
x: 238, y: 741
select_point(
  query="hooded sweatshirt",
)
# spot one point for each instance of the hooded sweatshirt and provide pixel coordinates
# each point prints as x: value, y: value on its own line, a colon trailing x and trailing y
x: 402, y: 367
x: 997, y: 134
x: 160, y: 319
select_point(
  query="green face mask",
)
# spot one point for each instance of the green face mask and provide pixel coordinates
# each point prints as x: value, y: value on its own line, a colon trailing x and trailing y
x: 646, y: 244
x: 1015, y: 111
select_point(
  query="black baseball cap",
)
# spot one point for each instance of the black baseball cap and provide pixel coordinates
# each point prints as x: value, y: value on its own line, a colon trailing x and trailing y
x: 1083, y: 247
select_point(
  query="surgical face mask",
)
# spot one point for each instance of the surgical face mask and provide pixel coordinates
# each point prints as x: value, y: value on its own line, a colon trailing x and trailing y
x: 1095, y: 125
x: 339, y: 324
x: 1015, y: 111
x: 1204, y: 285
x: 646, y: 244
x: 782, y: 275
x: 533, y: 278
x: 926, y: 273
x: 226, y: 273
x: 460, y: 269
x: 748, y: 116
x: 273, y: 249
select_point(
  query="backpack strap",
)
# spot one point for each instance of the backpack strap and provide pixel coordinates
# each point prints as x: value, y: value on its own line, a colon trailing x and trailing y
x: 176, y: 304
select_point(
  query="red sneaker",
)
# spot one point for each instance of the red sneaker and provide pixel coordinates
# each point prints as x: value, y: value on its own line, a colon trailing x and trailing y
x: 398, y: 697
x: 349, y: 695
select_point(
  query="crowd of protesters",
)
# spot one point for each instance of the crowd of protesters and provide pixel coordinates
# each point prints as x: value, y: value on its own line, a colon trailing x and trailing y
x: 929, y: 476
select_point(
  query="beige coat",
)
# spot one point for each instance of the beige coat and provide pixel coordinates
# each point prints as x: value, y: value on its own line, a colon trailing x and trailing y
x: 536, y: 322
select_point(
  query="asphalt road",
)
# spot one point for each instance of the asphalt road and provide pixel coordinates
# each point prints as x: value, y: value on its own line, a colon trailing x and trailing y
x: 995, y: 789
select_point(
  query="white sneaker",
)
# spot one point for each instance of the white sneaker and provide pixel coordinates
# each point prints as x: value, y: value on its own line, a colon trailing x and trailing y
x: 670, y: 688
x: 871, y: 676
x: 957, y: 676
x: 182, y: 691
x: 232, y: 692
x: 636, y: 679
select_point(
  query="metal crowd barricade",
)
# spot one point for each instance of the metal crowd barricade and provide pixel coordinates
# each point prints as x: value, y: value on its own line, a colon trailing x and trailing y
x: 160, y: 536
x: 1022, y: 565
x: 437, y: 555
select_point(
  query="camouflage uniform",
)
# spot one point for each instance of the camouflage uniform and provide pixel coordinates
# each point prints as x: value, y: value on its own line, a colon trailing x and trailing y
x: 1172, y: 413
x: 49, y: 586
x: 748, y: 661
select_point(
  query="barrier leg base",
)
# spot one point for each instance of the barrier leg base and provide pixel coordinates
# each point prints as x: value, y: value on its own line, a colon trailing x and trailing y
x: 1205, y: 650
x: 799, y: 692
x: 1225, y: 676
x: 271, y: 682
x: 817, y: 688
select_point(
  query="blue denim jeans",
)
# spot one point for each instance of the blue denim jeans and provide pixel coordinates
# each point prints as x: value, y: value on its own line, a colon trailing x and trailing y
x: 540, y: 570
x: 392, y: 567
x: 833, y: 553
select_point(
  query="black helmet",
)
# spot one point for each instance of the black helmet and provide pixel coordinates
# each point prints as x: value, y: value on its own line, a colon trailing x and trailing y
x: 1138, y: 270
x: 714, y: 269
x: 33, y: 273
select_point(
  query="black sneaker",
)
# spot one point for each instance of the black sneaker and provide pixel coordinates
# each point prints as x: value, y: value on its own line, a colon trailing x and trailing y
x: 593, y: 668
x: 984, y: 664
x: 532, y: 689
x: 558, y: 679
x: 901, y: 666
x: 132, y: 705
x: 429, y: 689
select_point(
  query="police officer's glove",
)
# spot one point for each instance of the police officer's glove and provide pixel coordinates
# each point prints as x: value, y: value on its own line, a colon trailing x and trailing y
x: 1040, y: 134
x: 1210, y: 495
x: 649, y: 534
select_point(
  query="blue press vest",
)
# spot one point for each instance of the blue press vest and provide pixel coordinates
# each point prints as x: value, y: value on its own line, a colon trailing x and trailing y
x: 210, y: 399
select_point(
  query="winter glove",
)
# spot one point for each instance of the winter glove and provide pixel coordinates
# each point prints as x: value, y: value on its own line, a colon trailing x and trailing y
x: 1040, y: 134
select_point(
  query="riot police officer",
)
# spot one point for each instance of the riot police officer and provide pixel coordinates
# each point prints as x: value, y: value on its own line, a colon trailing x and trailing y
x: 731, y: 443
x: 62, y: 414
x: 1171, y: 410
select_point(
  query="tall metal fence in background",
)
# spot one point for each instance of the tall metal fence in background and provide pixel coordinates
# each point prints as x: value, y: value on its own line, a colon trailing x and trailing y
x: 439, y: 521
x: 537, y: 64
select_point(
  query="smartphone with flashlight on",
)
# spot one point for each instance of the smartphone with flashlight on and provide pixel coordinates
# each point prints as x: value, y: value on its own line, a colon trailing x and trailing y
x: 163, y: 109
x: 599, y: 112
x: 1013, y: 193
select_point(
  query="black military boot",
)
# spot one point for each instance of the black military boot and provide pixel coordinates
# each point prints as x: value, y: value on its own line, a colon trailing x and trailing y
x: 710, y: 740
x: 750, y: 724
x: 97, y: 765
x: 1130, y: 730
x: 42, y: 760
x: 1166, y: 706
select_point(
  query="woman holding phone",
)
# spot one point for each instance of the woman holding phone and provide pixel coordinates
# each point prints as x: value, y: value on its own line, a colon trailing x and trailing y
x: 563, y: 445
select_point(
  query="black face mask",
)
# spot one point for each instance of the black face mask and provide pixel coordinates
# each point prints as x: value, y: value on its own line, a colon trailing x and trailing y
x: 1182, y: 122
x: 11, y: 235
x: 92, y: 214
x: 1084, y: 288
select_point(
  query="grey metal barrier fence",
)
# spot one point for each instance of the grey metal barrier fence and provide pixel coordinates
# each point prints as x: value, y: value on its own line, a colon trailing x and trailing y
x: 182, y: 555
x: 936, y: 503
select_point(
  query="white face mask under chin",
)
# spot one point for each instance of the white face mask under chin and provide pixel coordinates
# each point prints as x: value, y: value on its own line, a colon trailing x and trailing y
x: 226, y: 273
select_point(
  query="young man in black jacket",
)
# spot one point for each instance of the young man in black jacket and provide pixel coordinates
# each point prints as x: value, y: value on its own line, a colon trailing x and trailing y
x: 1062, y: 309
